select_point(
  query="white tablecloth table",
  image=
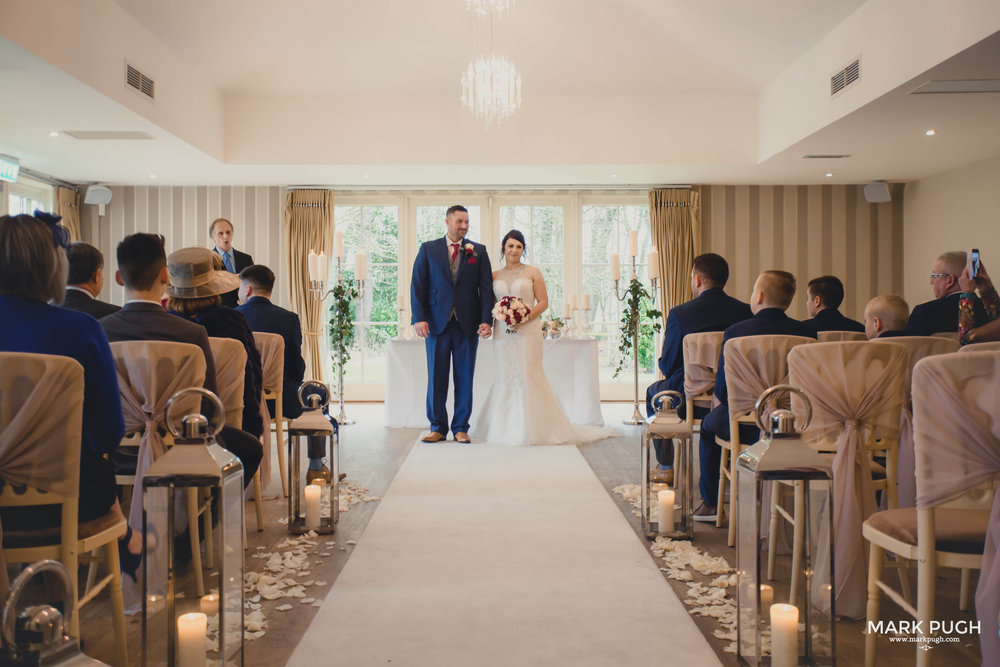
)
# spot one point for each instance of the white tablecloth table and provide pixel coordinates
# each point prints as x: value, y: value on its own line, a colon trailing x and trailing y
x: 570, y: 365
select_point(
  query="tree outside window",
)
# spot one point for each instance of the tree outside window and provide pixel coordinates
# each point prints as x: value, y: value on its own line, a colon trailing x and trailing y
x: 542, y: 227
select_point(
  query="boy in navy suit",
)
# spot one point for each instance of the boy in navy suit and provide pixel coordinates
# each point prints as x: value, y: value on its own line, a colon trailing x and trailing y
x: 451, y: 295
x: 823, y: 297
x: 772, y: 295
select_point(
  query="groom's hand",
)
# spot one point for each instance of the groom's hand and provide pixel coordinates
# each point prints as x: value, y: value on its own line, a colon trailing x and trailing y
x: 422, y: 329
x: 485, y: 330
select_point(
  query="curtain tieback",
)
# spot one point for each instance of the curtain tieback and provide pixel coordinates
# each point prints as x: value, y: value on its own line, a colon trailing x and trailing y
x: 312, y: 333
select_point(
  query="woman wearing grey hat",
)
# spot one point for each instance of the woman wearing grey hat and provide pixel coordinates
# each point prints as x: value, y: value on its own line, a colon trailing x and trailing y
x: 196, y: 285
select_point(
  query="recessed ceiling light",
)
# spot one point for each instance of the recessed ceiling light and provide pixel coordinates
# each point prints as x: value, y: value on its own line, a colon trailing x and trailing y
x: 53, y: 133
x: 153, y: 176
x: 930, y: 133
x: 367, y: 176
x: 614, y: 175
x: 829, y: 174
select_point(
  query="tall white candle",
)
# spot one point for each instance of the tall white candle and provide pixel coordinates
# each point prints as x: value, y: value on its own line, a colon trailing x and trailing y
x: 784, y: 635
x: 766, y: 596
x: 313, y: 265
x: 572, y: 301
x: 400, y: 304
x: 312, y: 506
x: 586, y: 302
x: 666, y: 502
x: 653, y: 264
x: 566, y: 313
x: 192, y: 639
x: 633, y: 242
x: 338, y: 244
x: 210, y: 604
x: 616, y: 269
x: 360, y: 266
x: 323, y: 265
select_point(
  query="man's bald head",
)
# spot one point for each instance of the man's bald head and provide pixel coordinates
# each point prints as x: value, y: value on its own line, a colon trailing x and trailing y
x: 887, y: 312
x: 773, y: 289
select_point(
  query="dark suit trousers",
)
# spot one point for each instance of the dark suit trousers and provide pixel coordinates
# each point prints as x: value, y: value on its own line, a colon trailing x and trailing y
x: 452, y: 347
x: 716, y: 424
x: 665, y: 448
x: 245, y: 447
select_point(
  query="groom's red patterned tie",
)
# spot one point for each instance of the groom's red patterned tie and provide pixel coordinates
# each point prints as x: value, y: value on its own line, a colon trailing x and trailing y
x: 454, y: 251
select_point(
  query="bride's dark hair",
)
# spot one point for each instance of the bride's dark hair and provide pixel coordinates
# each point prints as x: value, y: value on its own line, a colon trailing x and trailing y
x: 517, y: 236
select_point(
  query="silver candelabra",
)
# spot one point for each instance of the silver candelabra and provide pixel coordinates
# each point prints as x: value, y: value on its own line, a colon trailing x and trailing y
x: 317, y: 289
x: 636, y: 417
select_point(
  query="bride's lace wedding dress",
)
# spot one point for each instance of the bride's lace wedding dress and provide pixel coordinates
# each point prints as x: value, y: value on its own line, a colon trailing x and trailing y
x: 521, y: 408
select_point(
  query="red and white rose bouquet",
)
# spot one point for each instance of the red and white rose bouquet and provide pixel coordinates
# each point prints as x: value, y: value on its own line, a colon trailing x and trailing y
x: 511, y: 310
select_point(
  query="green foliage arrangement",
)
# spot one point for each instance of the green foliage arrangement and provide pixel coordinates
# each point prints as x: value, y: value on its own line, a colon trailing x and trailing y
x: 638, y: 317
x: 340, y: 324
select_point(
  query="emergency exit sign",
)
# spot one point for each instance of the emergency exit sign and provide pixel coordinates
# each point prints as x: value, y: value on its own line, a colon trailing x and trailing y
x: 9, y: 167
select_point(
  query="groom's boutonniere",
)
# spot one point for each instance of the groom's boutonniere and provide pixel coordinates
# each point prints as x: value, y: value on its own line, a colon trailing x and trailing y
x: 470, y: 253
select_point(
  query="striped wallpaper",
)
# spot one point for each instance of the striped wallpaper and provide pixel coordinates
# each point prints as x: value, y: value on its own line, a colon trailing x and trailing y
x: 182, y: 215
x: 809, y: 230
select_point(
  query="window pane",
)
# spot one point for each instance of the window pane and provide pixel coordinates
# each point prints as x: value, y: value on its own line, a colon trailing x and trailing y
x: 542, y: 227
x: 430, y: 223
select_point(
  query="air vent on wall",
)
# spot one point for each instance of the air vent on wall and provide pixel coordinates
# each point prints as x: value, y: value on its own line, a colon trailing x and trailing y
x: 845, y: 77
x: 139, y: 82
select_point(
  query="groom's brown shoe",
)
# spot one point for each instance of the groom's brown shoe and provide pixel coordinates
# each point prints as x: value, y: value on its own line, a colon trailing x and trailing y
x: 462, y: 437
x: 434, y: 436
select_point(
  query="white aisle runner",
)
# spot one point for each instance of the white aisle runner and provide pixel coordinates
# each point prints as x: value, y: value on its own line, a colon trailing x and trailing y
x: 492, y: 555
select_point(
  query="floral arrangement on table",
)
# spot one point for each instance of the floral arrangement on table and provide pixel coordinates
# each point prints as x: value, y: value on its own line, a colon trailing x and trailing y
x: 636, y: 309
x: 552, y: 328
x: 512, y: 311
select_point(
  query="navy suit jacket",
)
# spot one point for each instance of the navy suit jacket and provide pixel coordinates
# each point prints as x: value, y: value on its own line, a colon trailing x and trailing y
x: 712, y: 310
x: 831, y: 319
x: 766, y: 321
x: 241, y: 260
x: 940, y: 315
x: 433, y: 294
x: 264, y: 316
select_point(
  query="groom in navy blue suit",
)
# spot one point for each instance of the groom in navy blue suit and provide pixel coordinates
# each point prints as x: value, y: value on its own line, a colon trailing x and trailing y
x: 451, y: 296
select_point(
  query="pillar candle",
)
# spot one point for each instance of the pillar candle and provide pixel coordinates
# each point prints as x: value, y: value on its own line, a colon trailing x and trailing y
x: 338, y: 244
x: 766, y: 596
x: 210, y: 604
x: 633, y: 242
x: 192, y: 639
x: 572, y: 301
x: 666, y: 501
x: 616, y: 269
x: 312, y: 506
x: 653, y: 264
x: 586, y: 302
x: 360, y: 266
x: 313, y: 265
x: 566, y: 313
x: 323, y: 265
x: 400, y: 304
x: 784, y: 635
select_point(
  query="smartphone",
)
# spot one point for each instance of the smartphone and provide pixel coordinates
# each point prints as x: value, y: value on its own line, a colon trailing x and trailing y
x: 974, y: 263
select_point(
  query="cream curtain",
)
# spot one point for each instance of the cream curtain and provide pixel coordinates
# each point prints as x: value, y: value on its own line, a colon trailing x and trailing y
x: 309, y: 226
x: 68, y: 206
x: 675, y: 226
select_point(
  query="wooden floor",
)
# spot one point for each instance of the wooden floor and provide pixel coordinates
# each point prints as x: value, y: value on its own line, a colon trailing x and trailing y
x: 371, y: 455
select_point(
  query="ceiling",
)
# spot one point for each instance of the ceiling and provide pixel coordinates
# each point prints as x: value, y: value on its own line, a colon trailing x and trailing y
x: 365, y: 94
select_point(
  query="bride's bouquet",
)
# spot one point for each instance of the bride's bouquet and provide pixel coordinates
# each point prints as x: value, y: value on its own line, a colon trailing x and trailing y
x: 512, y: 310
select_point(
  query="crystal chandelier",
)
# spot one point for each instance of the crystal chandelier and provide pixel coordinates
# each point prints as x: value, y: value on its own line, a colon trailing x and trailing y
x: 491, y: 88
x: 485, y: 7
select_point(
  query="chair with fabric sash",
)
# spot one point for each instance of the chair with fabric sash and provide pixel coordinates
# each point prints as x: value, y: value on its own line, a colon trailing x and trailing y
x: 840, y: 336
x: 956, y: 523
x: 856, y: 392
x: 272, y: 357
x: 40, y: 465
x: 149, y: 373
x: 990, y: 346
x: 950, y: 335
x: 753, y: 363
x: 701, y: 356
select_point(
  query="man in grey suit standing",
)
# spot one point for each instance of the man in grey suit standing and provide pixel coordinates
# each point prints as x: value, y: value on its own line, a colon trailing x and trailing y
x: 234, y: 261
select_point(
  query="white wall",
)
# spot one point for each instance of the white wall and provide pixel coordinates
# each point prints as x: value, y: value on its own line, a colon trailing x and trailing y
x: 956, y: 210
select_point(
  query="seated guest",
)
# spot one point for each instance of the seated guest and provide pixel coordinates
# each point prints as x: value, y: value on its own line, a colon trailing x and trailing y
x: 33, y: 268
x: 256, y: 285
x: 772, y: 295
x: 711, y: 309
x: 885, y: 317
x: 142, y: 269
x: 85, y: 281
x: 966, y: 314
x: 197, y: 282
x: 941, y: 314
x: 824, y: 296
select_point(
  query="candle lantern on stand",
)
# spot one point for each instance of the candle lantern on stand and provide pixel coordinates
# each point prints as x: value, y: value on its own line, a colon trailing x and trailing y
x: 667, y: 424
x: 196, y: 467
x: 782, y: 457
x: 306, y: 510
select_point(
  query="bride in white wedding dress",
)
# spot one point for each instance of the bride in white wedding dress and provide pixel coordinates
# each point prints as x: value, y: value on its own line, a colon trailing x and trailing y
x: 521, y: 408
